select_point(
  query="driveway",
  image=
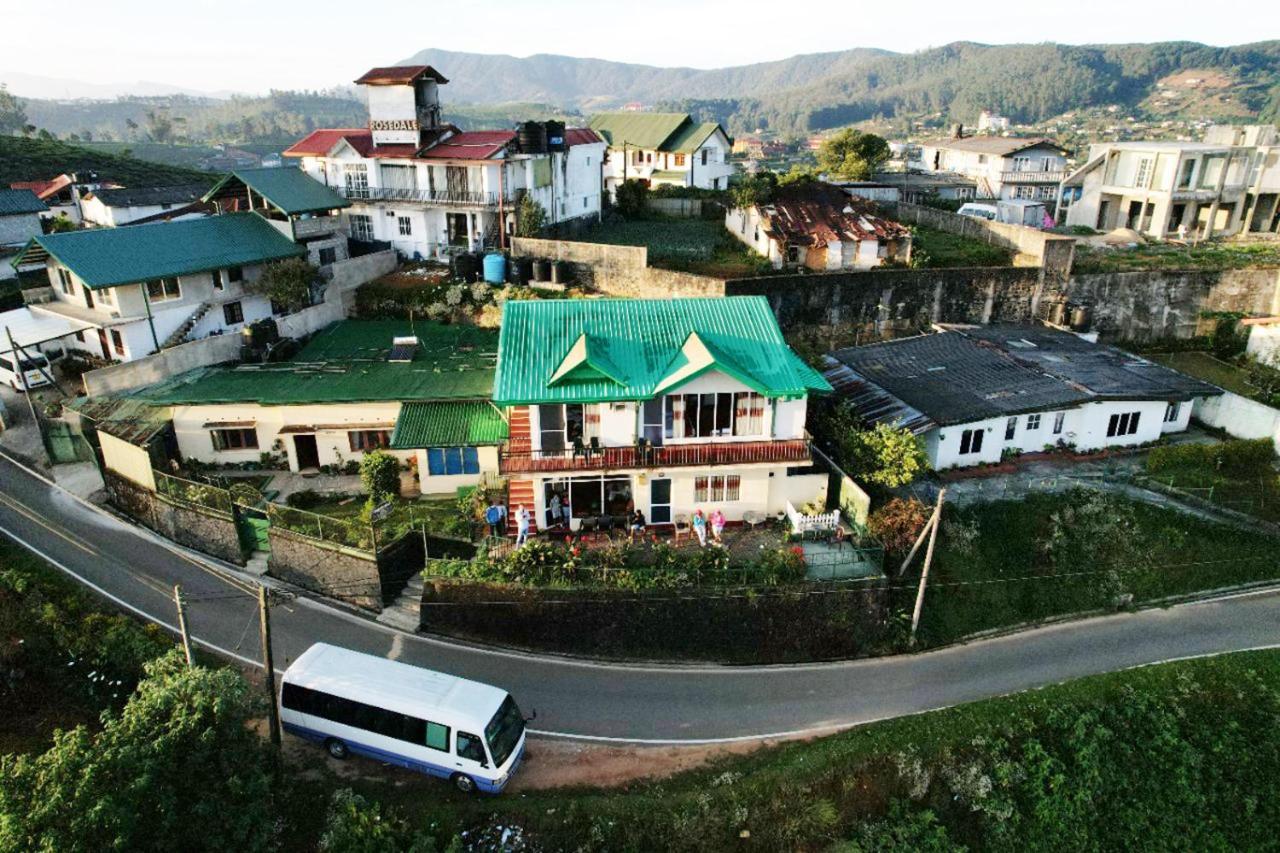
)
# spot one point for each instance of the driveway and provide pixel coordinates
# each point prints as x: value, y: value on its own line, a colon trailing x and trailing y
x: 622, y: 703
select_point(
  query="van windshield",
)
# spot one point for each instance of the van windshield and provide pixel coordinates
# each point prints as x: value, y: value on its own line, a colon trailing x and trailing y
x: 504, y: 730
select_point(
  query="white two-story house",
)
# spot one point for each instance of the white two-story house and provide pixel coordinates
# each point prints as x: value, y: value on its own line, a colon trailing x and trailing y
x: 1003, y: 167
x: 430, y: 189
x: 664, y: 149
x: 1228, y: 184
x: 666, y: 406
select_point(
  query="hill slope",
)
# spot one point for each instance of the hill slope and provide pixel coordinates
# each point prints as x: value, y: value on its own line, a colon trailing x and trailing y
x: 37, y: 159
x: 816, y: 91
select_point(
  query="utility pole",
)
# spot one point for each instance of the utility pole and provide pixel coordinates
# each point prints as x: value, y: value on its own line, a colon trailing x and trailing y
x: 182, y: 622
x: 268, y: 664
x: 928, y: 560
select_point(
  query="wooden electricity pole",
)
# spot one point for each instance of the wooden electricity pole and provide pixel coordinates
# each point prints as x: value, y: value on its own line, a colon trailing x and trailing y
x: 268, y: 664
x: 182, y: 623
x: 934, y: 523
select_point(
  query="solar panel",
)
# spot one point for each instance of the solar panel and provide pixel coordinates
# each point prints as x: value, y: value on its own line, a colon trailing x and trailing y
x: 403, y: 349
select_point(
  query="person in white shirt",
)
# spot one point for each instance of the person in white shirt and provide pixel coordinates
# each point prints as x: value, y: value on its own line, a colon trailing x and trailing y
x: 522, y: 525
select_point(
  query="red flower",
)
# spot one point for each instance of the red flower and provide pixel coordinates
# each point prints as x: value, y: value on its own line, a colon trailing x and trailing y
x: 797, y: 550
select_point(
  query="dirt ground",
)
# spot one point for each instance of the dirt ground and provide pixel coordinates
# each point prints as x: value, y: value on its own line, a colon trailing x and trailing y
x: 549, y: 763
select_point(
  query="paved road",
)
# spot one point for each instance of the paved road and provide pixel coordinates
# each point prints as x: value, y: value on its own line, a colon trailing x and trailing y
x: 627, y: 703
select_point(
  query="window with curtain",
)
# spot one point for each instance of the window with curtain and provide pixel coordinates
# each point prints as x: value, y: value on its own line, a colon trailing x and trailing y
x: 714, y: 415
x: 368, y: 439
x: 717, y: 489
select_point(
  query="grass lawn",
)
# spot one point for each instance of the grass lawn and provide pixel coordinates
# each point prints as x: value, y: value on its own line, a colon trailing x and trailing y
x: 934, y: 249
x: 699, y: 246
x: 1183, y: 554
x: 440, y: 515
x: 1163, y: 256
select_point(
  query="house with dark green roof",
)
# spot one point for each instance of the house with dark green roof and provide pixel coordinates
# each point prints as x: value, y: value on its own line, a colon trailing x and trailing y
x: 664, y: 149
x: 19, y: 221
x: 666, y: 406
x: 153, y: 284
x: 420, y: 390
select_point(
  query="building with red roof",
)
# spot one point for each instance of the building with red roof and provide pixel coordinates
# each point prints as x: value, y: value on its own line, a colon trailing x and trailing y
x: 431, y: 189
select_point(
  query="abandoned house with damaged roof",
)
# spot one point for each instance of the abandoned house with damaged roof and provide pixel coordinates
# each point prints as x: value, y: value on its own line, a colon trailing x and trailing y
x: 973, y: 393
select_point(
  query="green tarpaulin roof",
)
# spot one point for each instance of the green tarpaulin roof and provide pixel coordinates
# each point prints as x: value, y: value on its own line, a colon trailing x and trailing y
x: 463, y: 424
x: 107, y: 257
x: 288, y: 188
x: 690, y: 136
x: 638, y: 130
x: 13, y: 202
x: 649, y: 345
x: 347, y: 363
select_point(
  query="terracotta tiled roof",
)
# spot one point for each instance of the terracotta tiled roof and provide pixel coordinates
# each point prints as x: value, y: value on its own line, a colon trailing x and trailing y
x: 581, y: 136
x: 399, y: 75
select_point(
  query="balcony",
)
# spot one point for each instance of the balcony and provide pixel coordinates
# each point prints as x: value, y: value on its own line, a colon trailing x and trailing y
x: 441, y: 198
x: 1032, y: 177
x: 794, y: 451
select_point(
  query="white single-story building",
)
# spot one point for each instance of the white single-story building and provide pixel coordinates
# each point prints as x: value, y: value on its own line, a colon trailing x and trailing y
x: 976, y: 393
x: 115, y: 206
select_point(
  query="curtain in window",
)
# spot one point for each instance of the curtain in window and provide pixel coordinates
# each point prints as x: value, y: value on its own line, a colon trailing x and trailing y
x: 732, y: 487
x: 750, y: 413
x: 590, y: 422
x: 676, y: 402
x: 700, y: 490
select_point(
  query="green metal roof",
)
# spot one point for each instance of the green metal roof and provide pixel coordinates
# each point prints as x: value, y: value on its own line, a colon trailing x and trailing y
x: 638, y: 130
x: 347, y: 363
x: 107, y: 257
x: 13, y: 202
x: 288, y: 188
x: 465, y: 424
x: 127, y: 418
x: 690, y: 137
x: 641, y: 348
x: 669, y: 175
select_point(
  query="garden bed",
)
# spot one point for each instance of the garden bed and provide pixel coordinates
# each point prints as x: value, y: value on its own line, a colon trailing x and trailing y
x: 934, y: 249
x: 1237, y: 475
x: 1247, y: 378
x: 1167, y: 256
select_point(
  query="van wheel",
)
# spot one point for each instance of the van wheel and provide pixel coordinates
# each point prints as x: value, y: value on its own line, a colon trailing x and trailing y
x: 337, y: 748
x: 463, y: 783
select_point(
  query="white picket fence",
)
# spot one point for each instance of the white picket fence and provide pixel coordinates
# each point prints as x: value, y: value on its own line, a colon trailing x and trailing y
x: 801, y: 523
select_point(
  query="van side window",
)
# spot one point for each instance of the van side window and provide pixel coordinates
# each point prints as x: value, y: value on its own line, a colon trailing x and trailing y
x: 469, y: 746
x: 437, y: 736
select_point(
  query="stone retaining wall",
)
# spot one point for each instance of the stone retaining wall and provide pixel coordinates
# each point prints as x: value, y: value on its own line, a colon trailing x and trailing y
x: 202, y: 529
x: 332, y: 570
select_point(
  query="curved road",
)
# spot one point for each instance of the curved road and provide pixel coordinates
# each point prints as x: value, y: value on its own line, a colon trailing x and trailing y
x: 638, y: 704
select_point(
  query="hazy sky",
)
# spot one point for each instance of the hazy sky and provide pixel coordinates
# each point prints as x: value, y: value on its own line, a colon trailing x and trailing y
x: 253, y: 45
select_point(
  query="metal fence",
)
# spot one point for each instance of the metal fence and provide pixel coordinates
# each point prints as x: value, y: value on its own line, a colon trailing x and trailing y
x: 190, y: 492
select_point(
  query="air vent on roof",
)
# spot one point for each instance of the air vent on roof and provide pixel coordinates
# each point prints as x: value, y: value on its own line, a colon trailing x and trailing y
x: 938, y: 368
x: 403, y: 348
x: 1022, y: 344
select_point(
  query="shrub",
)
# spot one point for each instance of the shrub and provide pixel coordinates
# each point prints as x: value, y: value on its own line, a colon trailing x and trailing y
x: 882, y: 455
x: 380, y: 475
x: 305, y: 499
x: 357, y: 825
x: 286, y: 282
x: 632, y: 199
x: 897, y: 524
x: 1237, y: 457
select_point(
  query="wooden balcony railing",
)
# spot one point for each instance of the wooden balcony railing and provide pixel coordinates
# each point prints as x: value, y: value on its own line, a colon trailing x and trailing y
x: 515, y: 461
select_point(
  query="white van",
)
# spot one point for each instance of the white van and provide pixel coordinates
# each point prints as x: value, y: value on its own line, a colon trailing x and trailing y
x: 979, y: 211
x: 35, y: 366
x: 470, y: 733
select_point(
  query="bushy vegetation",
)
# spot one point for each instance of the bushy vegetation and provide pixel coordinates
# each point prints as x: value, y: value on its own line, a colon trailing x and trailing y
x: 851, y: 155
x: 1007, y: 563
x: 286, y: 283
x: 698, y: 246
x: 542, y: 563
x: 1212, y: 255
x: 934, y: 249
x: 380, y: 475
x: 1237, y: 474
x: 897, y: 524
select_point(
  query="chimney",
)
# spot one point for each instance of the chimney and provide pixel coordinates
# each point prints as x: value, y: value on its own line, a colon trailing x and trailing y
x: 957, y: 131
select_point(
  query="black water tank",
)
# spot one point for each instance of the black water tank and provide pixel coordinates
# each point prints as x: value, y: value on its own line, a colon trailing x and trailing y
x: 1081, y: 317
x: 555, y: 136
x: 561, y: 272
x: 541, y: 270
x: 532, y: 136
x: 520, y: 270
x: 466, y: 267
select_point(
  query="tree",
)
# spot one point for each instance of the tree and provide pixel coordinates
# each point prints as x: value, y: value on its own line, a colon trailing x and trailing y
x: 179, y: 762
x: 882, y: 455
x: 159, y: 125
x: 132, y: 126
x: 286, y: 283
x: 530, y: 217
x: 380, y: 475
x: 754, y: 189
x: 798, y: 176
x: 632, y: 198
x: 897, y: 523
x: 852, y: 155
x: 13, y: 118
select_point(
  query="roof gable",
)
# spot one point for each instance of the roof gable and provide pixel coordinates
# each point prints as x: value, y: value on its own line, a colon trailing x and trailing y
x: 552, y: 350
x: 107, y: 257
x: 692, y: 136
x: 14, y: 202
x: 638, y: 130
x: 398, y: 75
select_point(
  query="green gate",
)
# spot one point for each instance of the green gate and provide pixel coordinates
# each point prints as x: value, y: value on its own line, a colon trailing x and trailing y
x: 252, y: 528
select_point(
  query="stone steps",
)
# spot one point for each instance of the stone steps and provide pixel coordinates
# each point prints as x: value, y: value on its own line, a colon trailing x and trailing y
x: 405, y: 612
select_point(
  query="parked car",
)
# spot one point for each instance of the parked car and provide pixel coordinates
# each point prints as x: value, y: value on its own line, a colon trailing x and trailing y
x: 979, y: 211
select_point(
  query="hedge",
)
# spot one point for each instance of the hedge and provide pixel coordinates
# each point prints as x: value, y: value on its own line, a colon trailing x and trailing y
x: 1240, y: 457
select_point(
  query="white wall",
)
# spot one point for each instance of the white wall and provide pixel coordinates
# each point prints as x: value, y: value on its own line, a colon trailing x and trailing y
x: 1239, y: 416
x: 1264, y: 344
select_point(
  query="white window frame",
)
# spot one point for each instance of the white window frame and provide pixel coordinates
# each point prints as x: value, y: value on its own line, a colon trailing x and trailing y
x: 1033, y: 422
x: 170, y: 289
x: 1172, y: 412
x: 361, y: 226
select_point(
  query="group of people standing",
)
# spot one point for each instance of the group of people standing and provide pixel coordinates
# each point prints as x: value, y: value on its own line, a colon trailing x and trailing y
x: 701, y: 522
x: 496, y: 517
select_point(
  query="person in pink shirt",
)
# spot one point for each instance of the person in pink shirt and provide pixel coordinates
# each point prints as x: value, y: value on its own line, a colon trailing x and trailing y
x: 717, y: 526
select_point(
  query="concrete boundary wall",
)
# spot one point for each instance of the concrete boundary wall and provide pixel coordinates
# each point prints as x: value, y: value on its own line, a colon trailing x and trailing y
x: 203, y: 529
x: 1032, y: 247
x: 618, y: 270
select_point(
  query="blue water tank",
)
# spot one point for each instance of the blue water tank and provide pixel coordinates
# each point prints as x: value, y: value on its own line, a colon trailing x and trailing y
x: 495, y: 268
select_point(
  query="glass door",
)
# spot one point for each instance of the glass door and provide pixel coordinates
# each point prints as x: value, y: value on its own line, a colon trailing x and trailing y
x: 660, y: 501
x: 652, y: 425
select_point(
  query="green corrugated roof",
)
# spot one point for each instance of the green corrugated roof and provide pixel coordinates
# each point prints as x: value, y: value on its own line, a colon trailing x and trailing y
x: 288, y: 188
x: 464, y: 424
x: 13, y: 202
x: 638, y: 130
x: 107, y: 257
x: 690, y: 136
x: 669, y: 175
x: 644, y: 340
x: 347, y: 363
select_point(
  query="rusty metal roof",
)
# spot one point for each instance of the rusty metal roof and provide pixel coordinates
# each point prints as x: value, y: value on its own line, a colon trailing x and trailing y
x: 398, y: 75
x: 821, y: 215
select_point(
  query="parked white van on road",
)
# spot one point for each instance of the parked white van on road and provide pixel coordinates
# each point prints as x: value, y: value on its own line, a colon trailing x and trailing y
x: 470, y: 733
